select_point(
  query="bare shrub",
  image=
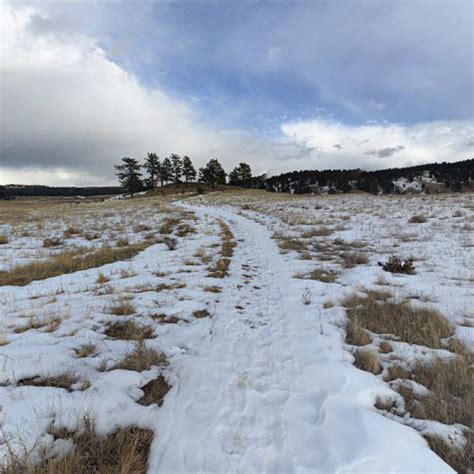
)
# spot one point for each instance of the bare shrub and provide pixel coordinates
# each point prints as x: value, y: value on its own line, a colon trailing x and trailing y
x: 397, y: 265
x: 170, y: 242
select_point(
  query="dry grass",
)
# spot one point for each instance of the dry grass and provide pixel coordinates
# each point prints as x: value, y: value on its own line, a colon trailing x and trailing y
x: 102, y: 279
x: 385, y: 347
x: 368, y: 361
x: 64, y: 380
x: 169, y: 225
x: 68, y: 262
x: 352, y: 259
x: 356, y: 335
x: 459, y: 458
x: 125, y: 451
x: 155, y: 391
x: 85, y: 350
x: 220, y: 269
x: 52, y: 242
x: 201, y: 313
x: 317, y: 232
x: 3, y: 239
x: 424, y: 327
x: 142, y: 358
x: 128, y: 330
x: 122, y: 307
x: 451, y: 390
x: 418, y: 219
x: 321, y: 274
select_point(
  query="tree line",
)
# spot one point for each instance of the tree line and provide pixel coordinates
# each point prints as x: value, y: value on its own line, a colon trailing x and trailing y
x: 176, y: 169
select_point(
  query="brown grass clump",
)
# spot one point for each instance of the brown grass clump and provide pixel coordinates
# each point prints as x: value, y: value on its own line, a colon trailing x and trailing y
x: 142, y: 358
x: 102, y: 279
x: 155, y: 391
x: 357, y: 335
x: 220, y: 269
x: 128, y: 330
x: 52, y: 242
x: 425, y: 327
x: 71, y: 231
x: 202, y: 313
x: 125, y: 451
x: 418, y: 219
x: 122, y: 242
x: 459, y: 458
x: 385, y: 347
x: 68, y: 262
x: 212, y: 289
x: 368, y: 361
x: 3, y: 239
x: 64, y: 380
x: 326, y: 276
x: 85, y: 350
x: 123, y: 307
x: 289, y: 243
x: 169, y: 225
x: 452, y: 391
x: 317, y: 232
x: 352, y: 259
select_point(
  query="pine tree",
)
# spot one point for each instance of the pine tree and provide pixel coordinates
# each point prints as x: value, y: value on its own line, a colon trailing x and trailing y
x: 166, y: 171
x: 212, y: 173
x: 240, y: 174
x: 189, y: 172
x: 153, y: 168
x: 176, y: 168
x: 129, y: 175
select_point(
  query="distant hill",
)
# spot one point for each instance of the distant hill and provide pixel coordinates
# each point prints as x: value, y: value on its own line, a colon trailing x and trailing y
x: 13, y: 190
x: 430, y: 178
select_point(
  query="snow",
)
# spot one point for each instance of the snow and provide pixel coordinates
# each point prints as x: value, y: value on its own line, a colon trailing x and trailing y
x: 266, y: 383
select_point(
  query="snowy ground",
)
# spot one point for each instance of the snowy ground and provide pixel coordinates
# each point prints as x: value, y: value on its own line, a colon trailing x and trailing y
x: 265, y: 383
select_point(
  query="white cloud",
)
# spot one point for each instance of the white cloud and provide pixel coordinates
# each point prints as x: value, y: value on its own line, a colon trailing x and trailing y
x: 65, y: 105
x: 374, y: 146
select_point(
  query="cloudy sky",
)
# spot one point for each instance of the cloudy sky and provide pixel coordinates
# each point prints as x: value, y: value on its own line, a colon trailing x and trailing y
x: 280, y: 84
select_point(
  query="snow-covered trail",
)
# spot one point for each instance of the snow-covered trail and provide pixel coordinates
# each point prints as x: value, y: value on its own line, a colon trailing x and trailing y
x: 270, y: 388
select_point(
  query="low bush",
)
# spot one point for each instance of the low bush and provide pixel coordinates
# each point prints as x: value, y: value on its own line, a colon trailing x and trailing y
x: 397, y: 265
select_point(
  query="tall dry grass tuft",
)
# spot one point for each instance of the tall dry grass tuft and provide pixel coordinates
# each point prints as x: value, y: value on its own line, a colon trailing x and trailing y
x: 124, y: 451
x: 68, y: 262
x: 425, y: 327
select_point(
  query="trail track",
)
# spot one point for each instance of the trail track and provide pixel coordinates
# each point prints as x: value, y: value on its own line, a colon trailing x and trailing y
x: 270, y: 388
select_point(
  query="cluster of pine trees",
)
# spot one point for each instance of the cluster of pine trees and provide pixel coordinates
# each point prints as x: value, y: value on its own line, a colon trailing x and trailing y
x: 176, y: 169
